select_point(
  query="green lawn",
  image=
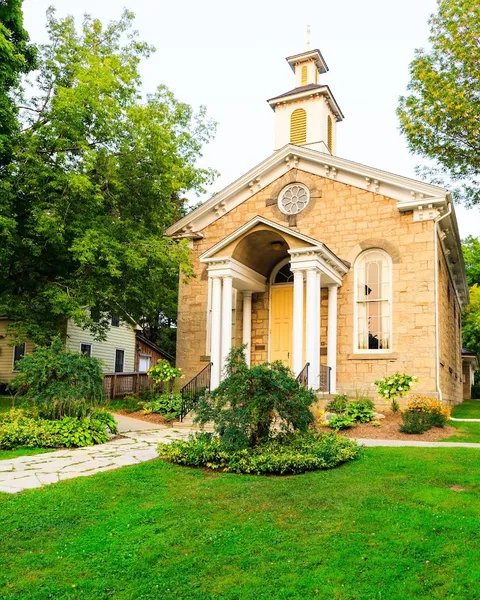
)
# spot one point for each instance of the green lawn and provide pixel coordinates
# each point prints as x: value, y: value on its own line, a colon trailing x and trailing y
x: 6, y: 454
x: 398, y: 524
x: 470, y: 409
x: 6, y: 403
x: 467, y: 432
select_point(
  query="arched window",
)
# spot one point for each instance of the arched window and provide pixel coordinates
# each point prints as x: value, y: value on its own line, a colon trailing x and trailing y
x: 284, y: 275
x: 373, y: 302
x: 298, y: 127
x: 330, y: 133
x: 304, y: 75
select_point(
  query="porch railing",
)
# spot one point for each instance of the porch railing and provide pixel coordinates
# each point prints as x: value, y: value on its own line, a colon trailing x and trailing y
x: 117, y: 385
x: 325, y: 377
x: 194, y: 389
x: 302, y: 377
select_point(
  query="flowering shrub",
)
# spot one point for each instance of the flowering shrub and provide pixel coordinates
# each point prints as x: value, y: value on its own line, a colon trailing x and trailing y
x: 423, y: 413
x: 395, y: 386
x: 162, y: 373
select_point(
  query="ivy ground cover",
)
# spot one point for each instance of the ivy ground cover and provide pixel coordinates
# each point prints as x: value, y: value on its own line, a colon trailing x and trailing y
x: 397, y: 523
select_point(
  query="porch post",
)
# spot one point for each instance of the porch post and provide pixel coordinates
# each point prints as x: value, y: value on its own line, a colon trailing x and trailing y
x: 247, y: 325
x: 332, y: 336
x: 297, y: 322
x: 215, y: 329
x: 226, y: 320
x: 313, y: 329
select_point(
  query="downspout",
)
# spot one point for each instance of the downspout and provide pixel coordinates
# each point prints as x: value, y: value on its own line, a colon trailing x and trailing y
x: 437, y: 318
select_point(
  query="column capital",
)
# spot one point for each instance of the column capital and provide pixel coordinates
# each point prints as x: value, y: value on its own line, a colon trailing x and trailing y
x: 247, y: 293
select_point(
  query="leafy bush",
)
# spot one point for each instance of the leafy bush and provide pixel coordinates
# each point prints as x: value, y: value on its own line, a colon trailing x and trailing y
x: 58, y: 382
x: 163, y: 373
x: 414, y: 422
x: 395, y: 386
x: 168, y: 405
x: 129, y: 404
x: 249, y: 401
x: 361, y: 410
x: 20, y: 430
x: 338, y: 405
x: 344, y: 421
x: 423, y: 413
x: 284, y: 454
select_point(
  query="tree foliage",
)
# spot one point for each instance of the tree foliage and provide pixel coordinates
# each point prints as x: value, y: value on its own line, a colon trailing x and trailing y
x: 441, y: 114
x: 471, y: 321
x: 17, y: 57
x: 98, y: 173
x: 471, y: 254
x: 249, y: 400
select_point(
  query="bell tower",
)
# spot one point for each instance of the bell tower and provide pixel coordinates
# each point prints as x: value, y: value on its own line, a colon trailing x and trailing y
x: 308, y: 114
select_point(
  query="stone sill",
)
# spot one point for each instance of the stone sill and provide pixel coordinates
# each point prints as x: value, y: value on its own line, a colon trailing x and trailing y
x: 374, y: 356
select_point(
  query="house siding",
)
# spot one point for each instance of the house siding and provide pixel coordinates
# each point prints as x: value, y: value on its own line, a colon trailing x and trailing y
x: 6, y: 352
x: 117, y: 337
x: 348, y: 220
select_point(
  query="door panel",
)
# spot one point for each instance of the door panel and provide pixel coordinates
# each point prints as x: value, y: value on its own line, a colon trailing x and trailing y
x: 281, y: 324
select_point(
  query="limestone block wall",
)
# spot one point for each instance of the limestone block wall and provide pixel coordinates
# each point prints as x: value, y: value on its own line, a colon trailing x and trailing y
x: 450, y: 336
x: 348, y: 220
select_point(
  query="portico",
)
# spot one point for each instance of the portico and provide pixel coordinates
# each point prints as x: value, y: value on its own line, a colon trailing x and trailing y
x: 312, y: 266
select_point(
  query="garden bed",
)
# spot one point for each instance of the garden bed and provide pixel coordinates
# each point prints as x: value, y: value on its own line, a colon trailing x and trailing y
x: 150, y: 417
x: 389, y: 429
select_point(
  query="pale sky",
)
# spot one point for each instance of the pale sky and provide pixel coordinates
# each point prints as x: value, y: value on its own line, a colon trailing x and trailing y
x: 231, y: 58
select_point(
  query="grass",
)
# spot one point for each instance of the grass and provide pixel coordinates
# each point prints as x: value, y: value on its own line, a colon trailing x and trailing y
x: 467, y: 432
x: 6, y: 403
x: 469, y: 409
x: 398, y: 523
x: 7, y: 454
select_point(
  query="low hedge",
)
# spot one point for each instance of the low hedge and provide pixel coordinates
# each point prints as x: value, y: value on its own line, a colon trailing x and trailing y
x: 283, y: 455
x: 19, y: 430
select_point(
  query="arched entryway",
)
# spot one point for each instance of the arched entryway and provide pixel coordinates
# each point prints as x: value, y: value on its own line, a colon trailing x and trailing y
x: 281, y: 313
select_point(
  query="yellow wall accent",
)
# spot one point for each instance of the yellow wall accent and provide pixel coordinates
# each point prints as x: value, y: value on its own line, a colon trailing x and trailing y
x: 330, y: 133
x: 298, y: 127
x: 304, y: 75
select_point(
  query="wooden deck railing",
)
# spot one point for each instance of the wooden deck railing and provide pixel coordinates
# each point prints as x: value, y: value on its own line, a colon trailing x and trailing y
x: 117, y: 385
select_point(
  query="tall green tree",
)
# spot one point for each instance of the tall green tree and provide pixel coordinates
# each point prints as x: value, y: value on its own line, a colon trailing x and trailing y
x: 440, y: 116
x: 98, y: 173
x: 17, y: 57
x: 471, y: 253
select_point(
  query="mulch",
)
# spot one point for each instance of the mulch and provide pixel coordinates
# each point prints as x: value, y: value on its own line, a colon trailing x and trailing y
x: 150, y: 418
x: 389, y: 429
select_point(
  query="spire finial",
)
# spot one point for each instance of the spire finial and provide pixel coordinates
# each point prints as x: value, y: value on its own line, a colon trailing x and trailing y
x: 308, y: 37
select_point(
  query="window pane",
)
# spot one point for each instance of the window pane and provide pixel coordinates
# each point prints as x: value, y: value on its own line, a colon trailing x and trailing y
x: 86, y: 349
x: 119, y: 360
x: 115, y: 321
x: 18, y: 353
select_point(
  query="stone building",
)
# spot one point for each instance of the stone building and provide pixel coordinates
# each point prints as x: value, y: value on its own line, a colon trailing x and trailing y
x: 313, y: 259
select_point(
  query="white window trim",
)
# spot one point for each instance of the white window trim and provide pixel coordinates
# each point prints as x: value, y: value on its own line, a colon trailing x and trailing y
x: 14, y: 370
x: 86, y: 344
x: 140, y: 356
x: 115, y: 359
x: 356, y: 349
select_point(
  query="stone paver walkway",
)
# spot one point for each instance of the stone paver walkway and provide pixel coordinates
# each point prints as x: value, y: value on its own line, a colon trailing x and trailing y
x: 28, y: 472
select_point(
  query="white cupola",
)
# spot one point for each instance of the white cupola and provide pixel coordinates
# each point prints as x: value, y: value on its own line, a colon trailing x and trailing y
x: 308, y: 114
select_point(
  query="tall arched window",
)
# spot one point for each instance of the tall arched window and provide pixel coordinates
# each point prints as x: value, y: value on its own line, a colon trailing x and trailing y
x: 304, y: 75
x: 330, y: 133
x: 298, y: 127
x: 373, y: 302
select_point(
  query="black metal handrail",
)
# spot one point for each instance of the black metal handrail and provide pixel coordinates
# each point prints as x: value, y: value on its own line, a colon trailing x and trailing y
x: 302, y: 377
x: 325, y: 377
x: 194, y: 389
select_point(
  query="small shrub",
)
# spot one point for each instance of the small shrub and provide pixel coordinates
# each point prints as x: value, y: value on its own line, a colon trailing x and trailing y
x: 284, y: 454
x: 395, y: 386
x: 248, y: 401
x: 58, y: 383
x: 431, y: 406
x: 338, y: 405
x: 20, y: 430
x: 414, y: 422
x: 130, y: 404
x: 361, y: 410
x: 168, y: 405
x: 339, y: 422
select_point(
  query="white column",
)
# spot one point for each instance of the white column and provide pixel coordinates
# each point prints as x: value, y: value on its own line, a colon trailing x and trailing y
x: 247, y: 325
x: 297, y: 322
x: 215, y: 329
x: 313, y: 333
x: 319, y: 320
x: 332, y: 336
x: 226, y: 320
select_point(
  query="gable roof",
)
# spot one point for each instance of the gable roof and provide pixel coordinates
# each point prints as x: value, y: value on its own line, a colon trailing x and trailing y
x: 304, y: 91
x: 409, y: 194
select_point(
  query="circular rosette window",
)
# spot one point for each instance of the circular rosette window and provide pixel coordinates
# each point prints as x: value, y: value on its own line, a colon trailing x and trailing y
x: 293, y: 199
